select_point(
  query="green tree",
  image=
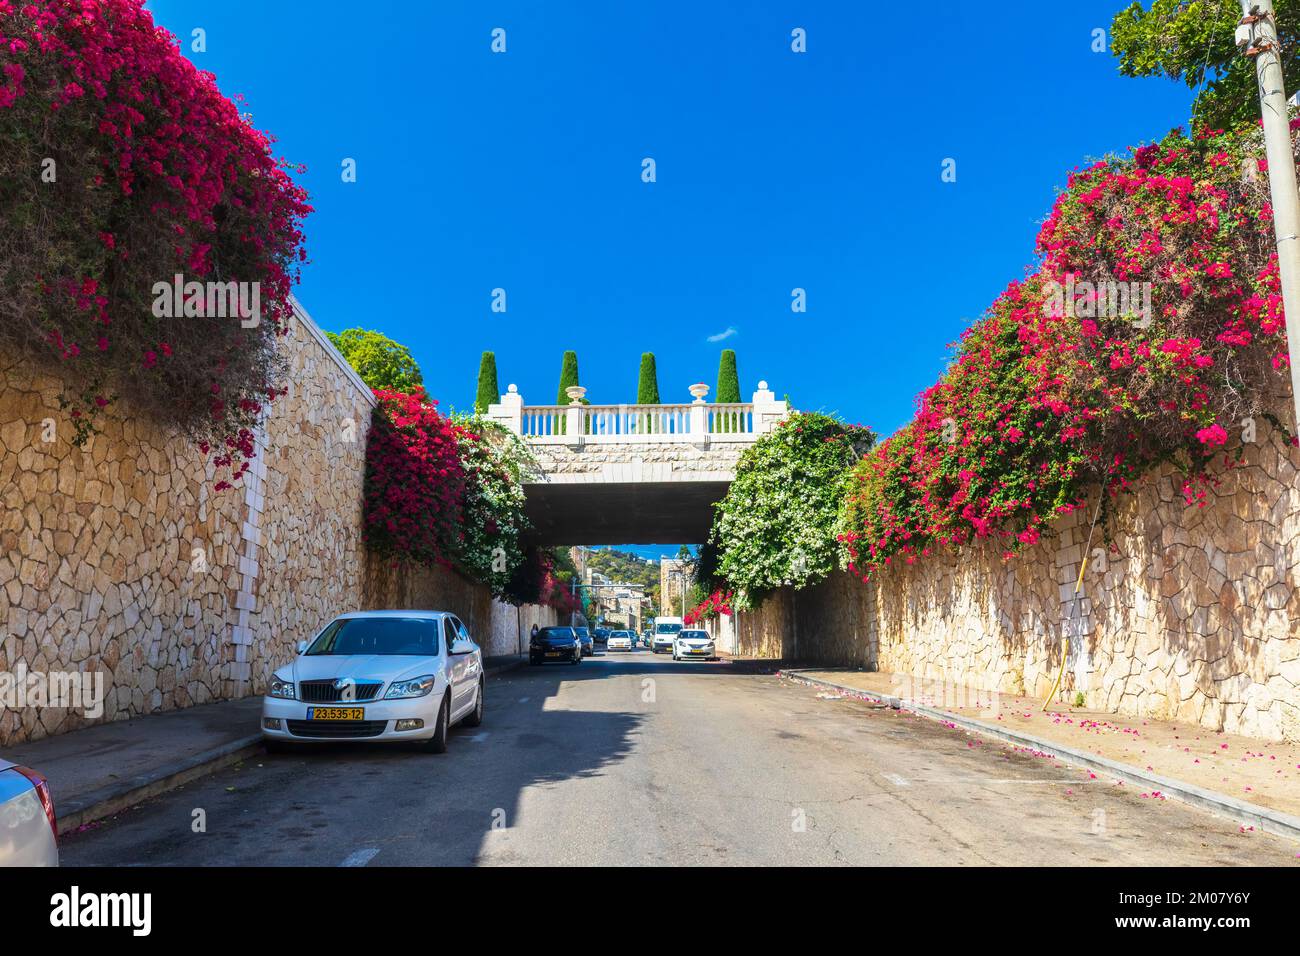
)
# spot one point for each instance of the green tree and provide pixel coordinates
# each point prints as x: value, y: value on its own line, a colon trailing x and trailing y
x: 1192, y: 41
x: 647, y: 389
x: 568, y: 376
x: 728, y: 391
x: 777, y: 523
x: 647, y: 383
x: 728, y: 380
x: 381, y: 362
x: 487, y: 383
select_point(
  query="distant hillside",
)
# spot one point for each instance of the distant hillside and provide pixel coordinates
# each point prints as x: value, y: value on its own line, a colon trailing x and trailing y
x: 624, y: 566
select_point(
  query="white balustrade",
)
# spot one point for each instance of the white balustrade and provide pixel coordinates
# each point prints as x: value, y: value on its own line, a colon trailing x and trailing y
x: 699, y: 422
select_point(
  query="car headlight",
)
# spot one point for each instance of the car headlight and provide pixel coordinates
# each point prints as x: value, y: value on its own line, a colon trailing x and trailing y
x: 415, y: 687
x: 282, y: 688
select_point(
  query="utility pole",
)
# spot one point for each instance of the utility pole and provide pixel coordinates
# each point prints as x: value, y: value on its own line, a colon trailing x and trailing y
x: 1257, y: 36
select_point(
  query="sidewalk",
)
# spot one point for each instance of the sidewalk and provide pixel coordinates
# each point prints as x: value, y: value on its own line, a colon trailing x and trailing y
x: 1256, y: 773
x: 101, y: 770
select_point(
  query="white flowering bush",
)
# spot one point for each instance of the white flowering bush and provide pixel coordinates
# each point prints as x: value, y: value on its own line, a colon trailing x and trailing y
x: 777, y: 524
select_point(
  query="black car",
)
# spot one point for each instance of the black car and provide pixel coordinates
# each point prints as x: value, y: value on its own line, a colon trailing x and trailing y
x: 555, y: 644
x: 586, y: 640
x: 601, y: 636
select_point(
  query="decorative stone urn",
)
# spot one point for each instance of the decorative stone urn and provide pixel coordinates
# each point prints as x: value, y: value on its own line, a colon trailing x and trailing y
x: 575, y: 392
x: 699, y: 390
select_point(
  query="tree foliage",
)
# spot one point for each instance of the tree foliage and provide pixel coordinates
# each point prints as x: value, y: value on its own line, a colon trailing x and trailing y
x: 728, y: 380
x: 383, y: 364
x: 568, y: 377
x: 488, y: 392
x: 777, y: 523
x: 1192, y: 41
x: 647, y: 383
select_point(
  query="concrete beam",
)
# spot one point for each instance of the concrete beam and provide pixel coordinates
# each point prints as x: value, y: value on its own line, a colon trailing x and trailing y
x: 623, y: 512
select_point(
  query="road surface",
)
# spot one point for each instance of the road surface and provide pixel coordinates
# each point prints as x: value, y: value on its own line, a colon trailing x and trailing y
x: 630, y: 758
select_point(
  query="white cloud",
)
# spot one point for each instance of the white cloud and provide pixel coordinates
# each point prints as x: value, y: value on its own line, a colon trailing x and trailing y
x: 731, y: 330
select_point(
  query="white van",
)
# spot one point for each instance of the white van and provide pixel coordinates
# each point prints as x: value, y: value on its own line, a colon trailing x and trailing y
x: 666, y: 629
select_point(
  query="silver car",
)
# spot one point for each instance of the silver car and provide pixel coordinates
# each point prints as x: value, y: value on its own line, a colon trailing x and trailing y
x: 385, y: 676
x: 29, y: 834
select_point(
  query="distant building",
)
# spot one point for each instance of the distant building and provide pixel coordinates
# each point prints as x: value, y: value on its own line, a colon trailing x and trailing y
x: 674, y: 578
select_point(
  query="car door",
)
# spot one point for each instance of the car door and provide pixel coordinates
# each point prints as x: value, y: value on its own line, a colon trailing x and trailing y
x: 455, y: 666
x: 472, y: 667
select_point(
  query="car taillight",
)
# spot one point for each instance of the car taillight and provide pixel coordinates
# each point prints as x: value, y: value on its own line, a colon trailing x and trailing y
x: 43, y: 792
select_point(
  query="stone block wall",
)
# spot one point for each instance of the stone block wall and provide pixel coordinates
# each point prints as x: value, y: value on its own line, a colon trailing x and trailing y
x: 1194, y: 615
x: 119, y: 558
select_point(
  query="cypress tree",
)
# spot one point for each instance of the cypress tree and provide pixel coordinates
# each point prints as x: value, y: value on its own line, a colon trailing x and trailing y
x: 488, y: 392
x: 568, y: 376
x: 728, y: 380
x: 647, y: 385
x: 728, y: 390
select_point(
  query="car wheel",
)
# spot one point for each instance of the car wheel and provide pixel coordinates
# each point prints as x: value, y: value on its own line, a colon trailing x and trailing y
x: 437, y: 744
x: 476, y: 716
x: 533, y: 661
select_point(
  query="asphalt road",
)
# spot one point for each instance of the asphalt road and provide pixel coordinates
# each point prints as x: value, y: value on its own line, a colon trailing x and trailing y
x: 635, y: 759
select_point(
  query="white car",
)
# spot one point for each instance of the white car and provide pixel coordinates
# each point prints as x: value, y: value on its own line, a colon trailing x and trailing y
x: 620, y: 641
x: 693, y: 644
x: 385, y: 676
x: 29, y: 834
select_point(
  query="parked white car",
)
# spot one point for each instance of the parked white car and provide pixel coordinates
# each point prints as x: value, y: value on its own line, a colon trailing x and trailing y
x: 378, y: 675
x: 29, y: 834
x: 620, y: 641
x: 692, y: 644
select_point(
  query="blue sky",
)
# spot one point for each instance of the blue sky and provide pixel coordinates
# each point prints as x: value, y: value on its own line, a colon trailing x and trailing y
x: 775, y: 170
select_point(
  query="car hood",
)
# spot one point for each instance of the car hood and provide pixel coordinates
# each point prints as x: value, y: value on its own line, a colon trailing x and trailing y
x: 694, y: 641
x: 386, y: 667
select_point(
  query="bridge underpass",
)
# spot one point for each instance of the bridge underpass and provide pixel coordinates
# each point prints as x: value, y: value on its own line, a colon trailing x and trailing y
x: 632, y: 474
x: 661, y: 512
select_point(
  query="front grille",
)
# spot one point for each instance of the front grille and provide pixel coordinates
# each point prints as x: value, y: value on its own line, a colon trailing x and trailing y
x: 336, y: 728
x: 324, y: 692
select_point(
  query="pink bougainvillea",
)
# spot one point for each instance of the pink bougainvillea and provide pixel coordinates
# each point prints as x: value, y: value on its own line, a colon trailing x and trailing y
x: 1151, y: 329
x: 719, y: 602
x: 137, y: 203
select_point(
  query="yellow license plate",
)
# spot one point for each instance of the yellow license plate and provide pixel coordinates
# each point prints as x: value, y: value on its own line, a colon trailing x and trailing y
x: 336, y: 713
x: 555, y: 653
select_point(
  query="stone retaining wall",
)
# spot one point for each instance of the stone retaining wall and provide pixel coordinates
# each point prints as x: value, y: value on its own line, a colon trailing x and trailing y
x: 119, y: 558
x: 1194, y: 615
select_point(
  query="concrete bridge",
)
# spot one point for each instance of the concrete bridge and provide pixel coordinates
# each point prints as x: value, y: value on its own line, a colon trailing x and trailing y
x: 633, y: 474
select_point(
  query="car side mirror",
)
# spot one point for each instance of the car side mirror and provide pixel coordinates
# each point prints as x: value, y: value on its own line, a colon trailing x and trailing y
x: 302, y: 646
x: 461, y: 646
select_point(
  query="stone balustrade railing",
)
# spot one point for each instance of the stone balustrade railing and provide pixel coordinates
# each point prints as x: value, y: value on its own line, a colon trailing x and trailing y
x: 698, y: 422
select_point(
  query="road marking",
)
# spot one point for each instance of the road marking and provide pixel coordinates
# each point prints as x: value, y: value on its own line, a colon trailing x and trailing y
x: 523, y: 700
x: 896, y: 780
x: 479, y: 737
x: 361, y: 857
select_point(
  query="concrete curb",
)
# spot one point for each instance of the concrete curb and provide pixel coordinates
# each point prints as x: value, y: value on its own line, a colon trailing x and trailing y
x: 113, y: 798
x: 117, y: 796
x: 1262, y: 818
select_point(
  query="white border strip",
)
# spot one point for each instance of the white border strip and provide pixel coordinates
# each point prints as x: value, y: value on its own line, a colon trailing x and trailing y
x: 301, y: 315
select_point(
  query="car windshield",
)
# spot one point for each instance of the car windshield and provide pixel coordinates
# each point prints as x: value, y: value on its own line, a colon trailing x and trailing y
x: 582, y: 632
x: 555, y: 634
x: 387, y: 636
x: 668, y: 628
x: 694, y: 635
